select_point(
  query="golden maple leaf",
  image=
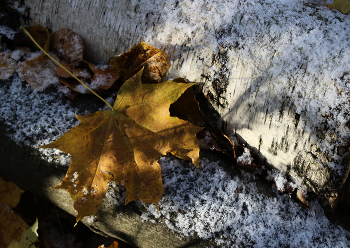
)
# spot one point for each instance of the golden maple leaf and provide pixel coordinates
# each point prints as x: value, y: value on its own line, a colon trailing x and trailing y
x: 124, y: 145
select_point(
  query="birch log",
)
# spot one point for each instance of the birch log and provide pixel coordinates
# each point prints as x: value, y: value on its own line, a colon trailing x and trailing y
x: 277, y: 74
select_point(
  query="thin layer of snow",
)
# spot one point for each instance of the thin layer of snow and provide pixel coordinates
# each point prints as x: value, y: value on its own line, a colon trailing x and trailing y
x: 245, y: 158
x: 102, y: 80
x: 45, y: 78
x: 102, y: 66
x: 18, y: 6
x: 291, y: 44
x: 82, y: 89
x: 36, y: 118
x: 6, y: 59
x: 91, y: 219
x: 75, y: 176
x: 206, y: 202
x: 279, y: 178
x: 17, y: 55
x: 8, y: 32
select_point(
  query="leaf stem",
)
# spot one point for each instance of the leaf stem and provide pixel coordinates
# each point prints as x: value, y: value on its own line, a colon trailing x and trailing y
x: 93, y: 92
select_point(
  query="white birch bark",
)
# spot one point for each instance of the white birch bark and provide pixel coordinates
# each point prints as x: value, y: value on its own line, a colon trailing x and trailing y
x: 277, y: 74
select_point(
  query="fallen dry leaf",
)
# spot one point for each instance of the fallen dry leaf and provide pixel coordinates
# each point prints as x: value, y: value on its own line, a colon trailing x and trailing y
x: 68, y: 45
x: 206, y: 140
x: 104, y: 79
x: 125, y: 144
x: 81, y: 70
x: 114, y: 245
x: 100, y: 80
x: 119, y: 244
x: 7, y: 65
x: 62, y: 73
x: 12, y: 225
x: 28, y: 238
x: 41, y: 35
x: 187, y: 107
x: 342, y: 5
x: 75, y: 67
x: 10, y: 193
x: 211, y: 139
x: 302, y: 197
x: 141, y: 56
x: 38, y: 72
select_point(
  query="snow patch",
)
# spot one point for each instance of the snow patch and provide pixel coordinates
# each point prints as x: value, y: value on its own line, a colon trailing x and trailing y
x: 18, y: 6
x: 8, y: 32
x: 75, y: 176
x: 101, y: 81
x: 206, y: 202
x: 245, y: 158
x: 91, y: 219
x: 36, y: 118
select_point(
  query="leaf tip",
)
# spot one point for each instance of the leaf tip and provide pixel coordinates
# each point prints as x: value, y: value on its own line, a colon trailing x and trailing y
x: 157, y: 207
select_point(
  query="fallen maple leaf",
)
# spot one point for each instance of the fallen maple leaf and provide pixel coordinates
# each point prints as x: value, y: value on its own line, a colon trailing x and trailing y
x: 104, y: 79
x: 38, y: 72
x: 141, y: 56
x: 68, y: 45
x: 100, y: 80
x: 124, y: 145
x: 41, y: 35
x: 187, y: 107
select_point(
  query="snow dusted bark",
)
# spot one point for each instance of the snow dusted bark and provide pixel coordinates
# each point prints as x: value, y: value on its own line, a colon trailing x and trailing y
x: 277, y: 74
x: 29, y: 171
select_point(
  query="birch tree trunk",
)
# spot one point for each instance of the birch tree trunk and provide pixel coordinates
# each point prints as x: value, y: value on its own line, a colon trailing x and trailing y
x: 277, y: 75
